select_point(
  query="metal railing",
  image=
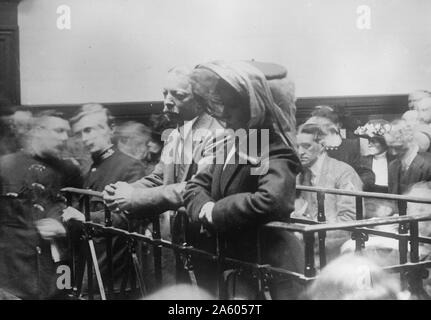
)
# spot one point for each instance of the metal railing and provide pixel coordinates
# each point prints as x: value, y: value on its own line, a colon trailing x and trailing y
x: 411, y: 270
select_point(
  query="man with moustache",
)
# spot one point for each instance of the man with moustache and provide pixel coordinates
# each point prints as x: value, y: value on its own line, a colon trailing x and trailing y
x: 31, y: 208
x: 188, y: 148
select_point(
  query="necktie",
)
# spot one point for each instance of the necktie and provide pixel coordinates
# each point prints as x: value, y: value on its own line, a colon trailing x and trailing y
x: 306, y: 177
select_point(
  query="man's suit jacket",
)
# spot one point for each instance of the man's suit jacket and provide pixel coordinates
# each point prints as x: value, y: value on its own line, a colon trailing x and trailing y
x: 117, y: 166
x: 337, y: 175
x: 195, y: 142
x: 419, y: 170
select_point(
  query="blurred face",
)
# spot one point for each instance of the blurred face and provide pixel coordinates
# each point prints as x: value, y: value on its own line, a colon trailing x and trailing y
x: 308, y: 149
x: 424, y: 110
x: 153, y: 147
x: 235, y: 114
x: 415, y: 97
x: 179, y: 104
x: 375, y: 146
x: 94, y: 131
x: 52, y: 135
x: 396, y: 147
x: 135, y: 146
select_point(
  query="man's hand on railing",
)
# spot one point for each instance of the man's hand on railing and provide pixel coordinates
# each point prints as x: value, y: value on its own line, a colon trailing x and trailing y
x: 50, y: 229
x: 118, y: 196
x: 71, y: 213
x: 205, y: 215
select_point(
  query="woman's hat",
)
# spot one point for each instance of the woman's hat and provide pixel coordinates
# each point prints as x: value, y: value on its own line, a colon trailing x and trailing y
x: 373, y: 129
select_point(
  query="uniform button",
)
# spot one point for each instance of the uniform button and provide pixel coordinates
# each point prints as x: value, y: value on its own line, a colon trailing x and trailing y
x: 39, y: 250
x: 94, y: 169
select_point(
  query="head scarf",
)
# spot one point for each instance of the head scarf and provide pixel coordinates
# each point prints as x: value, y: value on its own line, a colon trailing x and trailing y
x: 250, y: 84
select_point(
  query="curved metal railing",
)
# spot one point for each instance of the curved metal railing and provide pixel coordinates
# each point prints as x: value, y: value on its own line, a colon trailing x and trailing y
x: 409, y: 269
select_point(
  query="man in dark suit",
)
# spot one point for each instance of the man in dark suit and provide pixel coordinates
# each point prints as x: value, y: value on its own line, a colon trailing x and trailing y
x: 94, y: 125
x: 410, y: 165
x: 187, y: 149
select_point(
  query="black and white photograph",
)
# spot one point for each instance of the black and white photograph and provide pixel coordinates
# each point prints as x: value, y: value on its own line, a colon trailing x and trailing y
x: 232, y: 151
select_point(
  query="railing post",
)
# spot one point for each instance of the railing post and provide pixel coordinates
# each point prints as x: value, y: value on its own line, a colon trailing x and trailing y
x: 178, y: 230
x: 88, y: 236
x: 415, y: 274
x: 403, y: 243
x: 108, y: 223
x: 310, y: 270
x: 222, y: 290
x: 322, y: 234
x: 157, y: 251
x: 359, y: 237
x: 71, y: 245
x: 137, y: 268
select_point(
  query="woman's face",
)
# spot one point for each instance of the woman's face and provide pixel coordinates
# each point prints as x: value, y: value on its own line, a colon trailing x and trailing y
x: 235, y: 113
x: 375, y: 146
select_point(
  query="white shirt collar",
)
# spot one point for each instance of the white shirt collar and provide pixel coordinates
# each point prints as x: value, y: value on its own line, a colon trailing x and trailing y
x: 380, y: 156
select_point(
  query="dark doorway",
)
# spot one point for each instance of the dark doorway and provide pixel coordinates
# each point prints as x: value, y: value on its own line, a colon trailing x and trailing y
x: 9, y: 54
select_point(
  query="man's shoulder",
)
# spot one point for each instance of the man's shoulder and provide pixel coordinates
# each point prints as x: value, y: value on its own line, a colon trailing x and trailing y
x: 14, y: 159
x: 124, y: 159
x: 340, y: 166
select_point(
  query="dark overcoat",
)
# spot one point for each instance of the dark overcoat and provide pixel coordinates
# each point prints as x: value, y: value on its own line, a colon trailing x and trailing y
x: 27, y: 268
x: 243, y: 203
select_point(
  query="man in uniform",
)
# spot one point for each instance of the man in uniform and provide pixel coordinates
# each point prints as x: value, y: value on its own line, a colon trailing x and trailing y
x: 94, y: 126
x: 31, y: 227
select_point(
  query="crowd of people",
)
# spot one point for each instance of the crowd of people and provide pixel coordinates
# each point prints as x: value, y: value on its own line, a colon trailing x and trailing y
x: 231, y: 162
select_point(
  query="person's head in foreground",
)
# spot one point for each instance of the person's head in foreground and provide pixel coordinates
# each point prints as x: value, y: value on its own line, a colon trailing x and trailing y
x: 354, y: 277
x: 180, y: 292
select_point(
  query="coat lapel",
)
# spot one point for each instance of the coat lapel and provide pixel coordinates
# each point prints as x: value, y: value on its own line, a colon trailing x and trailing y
x: 394, y: 176
x: 415, y: 169
x: 227, y: 175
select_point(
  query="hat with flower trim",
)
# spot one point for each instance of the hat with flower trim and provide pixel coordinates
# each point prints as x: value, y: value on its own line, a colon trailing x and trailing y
x: 373, y: 129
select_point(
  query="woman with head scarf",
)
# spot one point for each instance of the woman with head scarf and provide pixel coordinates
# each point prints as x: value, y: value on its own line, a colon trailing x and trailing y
x: 244, y: 190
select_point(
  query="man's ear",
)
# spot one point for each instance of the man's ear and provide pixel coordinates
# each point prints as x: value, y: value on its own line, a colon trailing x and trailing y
x: 322, y: 144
